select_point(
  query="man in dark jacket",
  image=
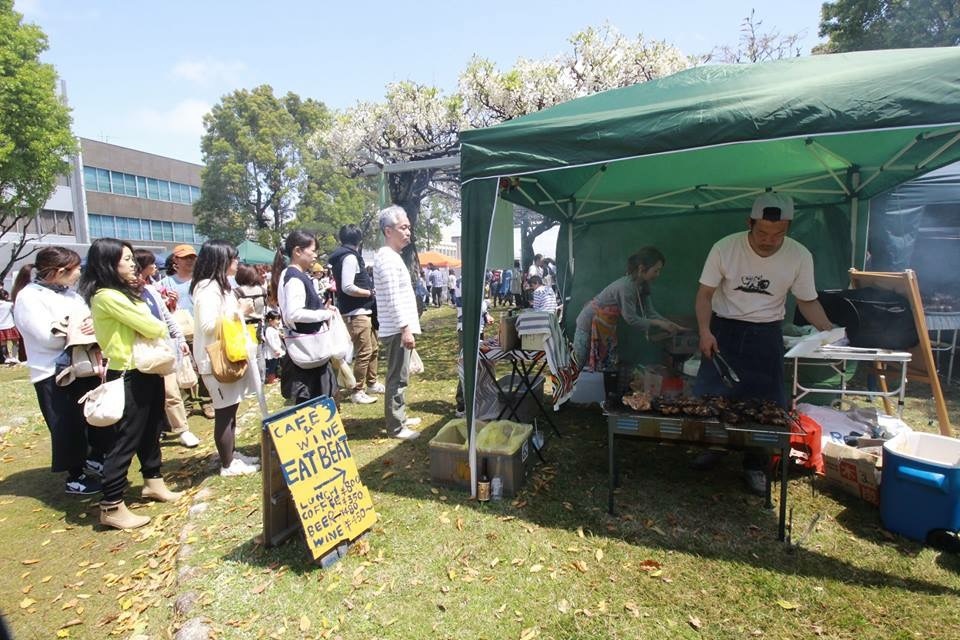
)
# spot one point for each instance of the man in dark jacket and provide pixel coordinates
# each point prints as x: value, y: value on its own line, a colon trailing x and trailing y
x: 355, y: 299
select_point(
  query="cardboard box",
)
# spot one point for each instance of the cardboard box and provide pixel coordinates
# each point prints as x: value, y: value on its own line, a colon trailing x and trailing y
x: 508, y: 332
x: 533, y: 341
x: 450, y: 465
x: 856, y: 471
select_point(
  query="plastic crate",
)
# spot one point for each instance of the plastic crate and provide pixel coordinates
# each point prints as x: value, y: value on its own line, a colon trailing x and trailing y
x: 920, y: 490
x: 450, y: 464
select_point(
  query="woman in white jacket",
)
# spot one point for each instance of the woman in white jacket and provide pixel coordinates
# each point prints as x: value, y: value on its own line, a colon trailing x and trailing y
x: 214, y: 299
x: 41, y: 305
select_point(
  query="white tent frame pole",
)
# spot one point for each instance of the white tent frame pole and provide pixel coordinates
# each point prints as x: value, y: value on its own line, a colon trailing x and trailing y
x: 886, y: 166
x: 938, y: 152
x: 854, y: 213
x: 814, y: 148
x: 550, y: 198
x: 595, y: 179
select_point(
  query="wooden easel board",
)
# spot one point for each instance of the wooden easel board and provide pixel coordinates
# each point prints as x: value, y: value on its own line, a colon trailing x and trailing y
x: 923, y: 367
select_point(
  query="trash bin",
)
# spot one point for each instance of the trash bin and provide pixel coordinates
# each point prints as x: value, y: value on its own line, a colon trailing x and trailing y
x: 920, y: 486
x: 505, y: 445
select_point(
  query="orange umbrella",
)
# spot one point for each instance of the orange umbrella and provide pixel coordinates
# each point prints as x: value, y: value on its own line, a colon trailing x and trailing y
x: 438, y: 260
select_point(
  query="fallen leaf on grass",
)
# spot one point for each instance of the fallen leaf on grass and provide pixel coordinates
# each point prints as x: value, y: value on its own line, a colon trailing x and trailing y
x: 580, y: 566
x: 260, y: 587
x: 459, y: 524
x: 580, y: 532
x: 598, y: 554
x: 789, y: 606
x: 536, y: 568
x: 563, y: 606
x: 29, y: 562
x: 27, y: 603
x: 694, y: 622
x: 529, y: 633
x: 304, y: 624
x: 650, y: 565
x: 632, y: 608
x: 494, y: 562
x: 386, y: 475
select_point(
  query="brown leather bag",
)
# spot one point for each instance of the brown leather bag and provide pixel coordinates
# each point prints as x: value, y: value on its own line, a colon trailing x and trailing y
x: 224, y: 370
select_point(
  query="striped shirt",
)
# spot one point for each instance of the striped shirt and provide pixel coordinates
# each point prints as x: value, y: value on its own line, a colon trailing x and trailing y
x: 544, y: 299
x: 396, y: 302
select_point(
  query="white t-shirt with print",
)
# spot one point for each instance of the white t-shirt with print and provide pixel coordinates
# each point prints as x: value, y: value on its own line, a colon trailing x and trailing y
x: 753, y: 288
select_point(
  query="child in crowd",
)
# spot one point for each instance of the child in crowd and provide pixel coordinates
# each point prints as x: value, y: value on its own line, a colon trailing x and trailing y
x: 9, y: 336
x: 272, y: 346
x: 544, y: 299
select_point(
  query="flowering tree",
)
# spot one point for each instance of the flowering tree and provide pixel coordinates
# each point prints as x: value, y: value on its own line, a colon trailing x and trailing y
x: 601, y: 58
x: 414, y: 122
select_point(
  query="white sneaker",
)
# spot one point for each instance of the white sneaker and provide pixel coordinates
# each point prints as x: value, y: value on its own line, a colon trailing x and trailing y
x: 359, y: 397
x: 405, y: 434
x: 412, y: 422
x: 238, y: 468
x: 189, y: 440
x: 459, y: 413
x: 376, y: 388
x: 252, y: 461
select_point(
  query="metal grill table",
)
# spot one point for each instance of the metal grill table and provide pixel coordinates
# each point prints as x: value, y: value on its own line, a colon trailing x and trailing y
x: 702, y: 432
x: 837, y: 357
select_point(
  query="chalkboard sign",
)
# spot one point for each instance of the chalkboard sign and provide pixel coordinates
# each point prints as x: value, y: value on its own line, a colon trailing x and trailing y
x: 318, y: 468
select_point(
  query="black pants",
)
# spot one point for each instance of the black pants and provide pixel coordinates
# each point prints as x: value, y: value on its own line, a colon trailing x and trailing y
x: 72, y: 440
x: 299, y: 385
x: 138, y: 432
x: 437, y: 295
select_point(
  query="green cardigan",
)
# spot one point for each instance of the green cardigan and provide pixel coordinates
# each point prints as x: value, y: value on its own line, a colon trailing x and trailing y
x: 117, y: 320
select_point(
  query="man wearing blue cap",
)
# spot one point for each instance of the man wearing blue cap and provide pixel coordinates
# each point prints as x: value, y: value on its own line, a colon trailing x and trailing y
x: 740, y: 305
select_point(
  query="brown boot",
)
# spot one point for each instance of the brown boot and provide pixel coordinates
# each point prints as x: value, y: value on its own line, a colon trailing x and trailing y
x: 116, y: 515
x: 208, y: 411
x: 156, y: 489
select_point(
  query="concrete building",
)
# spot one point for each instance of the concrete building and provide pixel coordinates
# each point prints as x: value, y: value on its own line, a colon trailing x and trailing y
x: 113, y: 191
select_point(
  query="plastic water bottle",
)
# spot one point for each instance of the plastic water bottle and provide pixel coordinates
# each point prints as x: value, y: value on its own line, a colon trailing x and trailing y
x: 496, y: 488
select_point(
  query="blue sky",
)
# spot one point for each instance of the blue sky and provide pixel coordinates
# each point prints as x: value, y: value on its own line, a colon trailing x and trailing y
x: 141, y: 74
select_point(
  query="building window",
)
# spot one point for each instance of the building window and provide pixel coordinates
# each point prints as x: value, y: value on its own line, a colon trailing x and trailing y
x: 194, y: 193
x: 153, y: 189
x: 130, y: 185
x: 103, y: 180
x: 165, y: 191
x: 90, y: 178
x: 141, y: 187
x: 116, y: 182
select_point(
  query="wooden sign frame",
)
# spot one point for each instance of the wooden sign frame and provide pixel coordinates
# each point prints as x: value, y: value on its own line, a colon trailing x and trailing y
x: 923, y: 367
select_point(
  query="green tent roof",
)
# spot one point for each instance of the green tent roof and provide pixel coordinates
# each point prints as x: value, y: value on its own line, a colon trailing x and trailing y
x: 713, y: 137
x: 253, y: 253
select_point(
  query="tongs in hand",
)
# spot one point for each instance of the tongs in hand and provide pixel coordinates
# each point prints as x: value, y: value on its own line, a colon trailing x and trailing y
x: 727, y: 373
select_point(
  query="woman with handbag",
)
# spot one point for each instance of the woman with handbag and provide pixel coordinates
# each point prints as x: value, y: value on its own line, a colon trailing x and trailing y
x: 121, y: 316
x: 214, y: 301
x: 306, y: 316
x: 39, y: 307
x: 173, y: 407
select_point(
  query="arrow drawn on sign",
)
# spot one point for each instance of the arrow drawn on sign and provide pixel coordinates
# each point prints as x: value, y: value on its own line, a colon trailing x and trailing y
x: 337, y: 476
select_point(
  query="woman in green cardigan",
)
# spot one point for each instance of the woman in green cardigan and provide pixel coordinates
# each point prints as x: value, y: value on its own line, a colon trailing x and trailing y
x: 121, y: 313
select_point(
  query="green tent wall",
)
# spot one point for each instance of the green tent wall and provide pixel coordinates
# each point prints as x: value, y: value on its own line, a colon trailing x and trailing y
x: 677, y: 163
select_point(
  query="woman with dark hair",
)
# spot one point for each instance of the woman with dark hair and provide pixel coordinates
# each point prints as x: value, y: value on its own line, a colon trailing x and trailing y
x: 213, y: 299
x: 41, y: 305
x: 250, y: 288
x: 628, y: 297
x: 303, y: 312
x: 173, y: 408
x: 111, y: 287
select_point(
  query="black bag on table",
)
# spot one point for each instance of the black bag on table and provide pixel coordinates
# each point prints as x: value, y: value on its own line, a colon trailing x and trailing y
x: 874, y: 318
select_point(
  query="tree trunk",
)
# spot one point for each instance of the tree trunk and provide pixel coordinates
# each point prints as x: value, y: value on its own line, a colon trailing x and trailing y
x: 408, y: 189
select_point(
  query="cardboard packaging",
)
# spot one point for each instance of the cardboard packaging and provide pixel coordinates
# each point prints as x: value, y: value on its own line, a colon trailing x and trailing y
x: 856, y: 471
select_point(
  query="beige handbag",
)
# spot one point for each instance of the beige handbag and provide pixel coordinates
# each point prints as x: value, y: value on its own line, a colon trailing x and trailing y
x: 186, y: 374
x: 153, y: 356
x: 103, y: 406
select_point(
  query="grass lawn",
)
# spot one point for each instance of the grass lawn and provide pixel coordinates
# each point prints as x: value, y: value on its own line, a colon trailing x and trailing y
x: 688, y: 555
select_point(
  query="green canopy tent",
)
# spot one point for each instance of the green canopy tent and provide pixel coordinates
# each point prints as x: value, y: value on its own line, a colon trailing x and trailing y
x: 253, y: 253
x: 677, y: 163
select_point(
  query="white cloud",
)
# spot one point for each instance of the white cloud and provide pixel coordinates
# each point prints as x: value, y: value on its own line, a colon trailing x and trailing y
x: 208, y: 71
x: 185, y: 117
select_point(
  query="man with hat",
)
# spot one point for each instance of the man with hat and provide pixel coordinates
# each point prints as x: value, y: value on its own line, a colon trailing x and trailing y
x: 740, y: 305
x: 177, y: 282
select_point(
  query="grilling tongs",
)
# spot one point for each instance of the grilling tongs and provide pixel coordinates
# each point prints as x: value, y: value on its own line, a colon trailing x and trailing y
x: 727, y: 373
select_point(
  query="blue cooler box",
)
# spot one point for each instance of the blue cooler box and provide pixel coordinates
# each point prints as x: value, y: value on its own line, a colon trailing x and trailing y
x: 920, y: 487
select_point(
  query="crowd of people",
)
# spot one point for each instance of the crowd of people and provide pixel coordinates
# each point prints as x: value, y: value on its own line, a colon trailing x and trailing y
x: 81, y: 328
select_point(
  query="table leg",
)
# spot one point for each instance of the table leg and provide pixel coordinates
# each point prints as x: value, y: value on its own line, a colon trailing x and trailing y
x: 882, y: 383
x: 611, y: 469
x: 784, y: 467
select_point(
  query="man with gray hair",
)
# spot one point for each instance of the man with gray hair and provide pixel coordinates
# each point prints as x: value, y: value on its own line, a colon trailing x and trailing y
x: 399, y: 321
